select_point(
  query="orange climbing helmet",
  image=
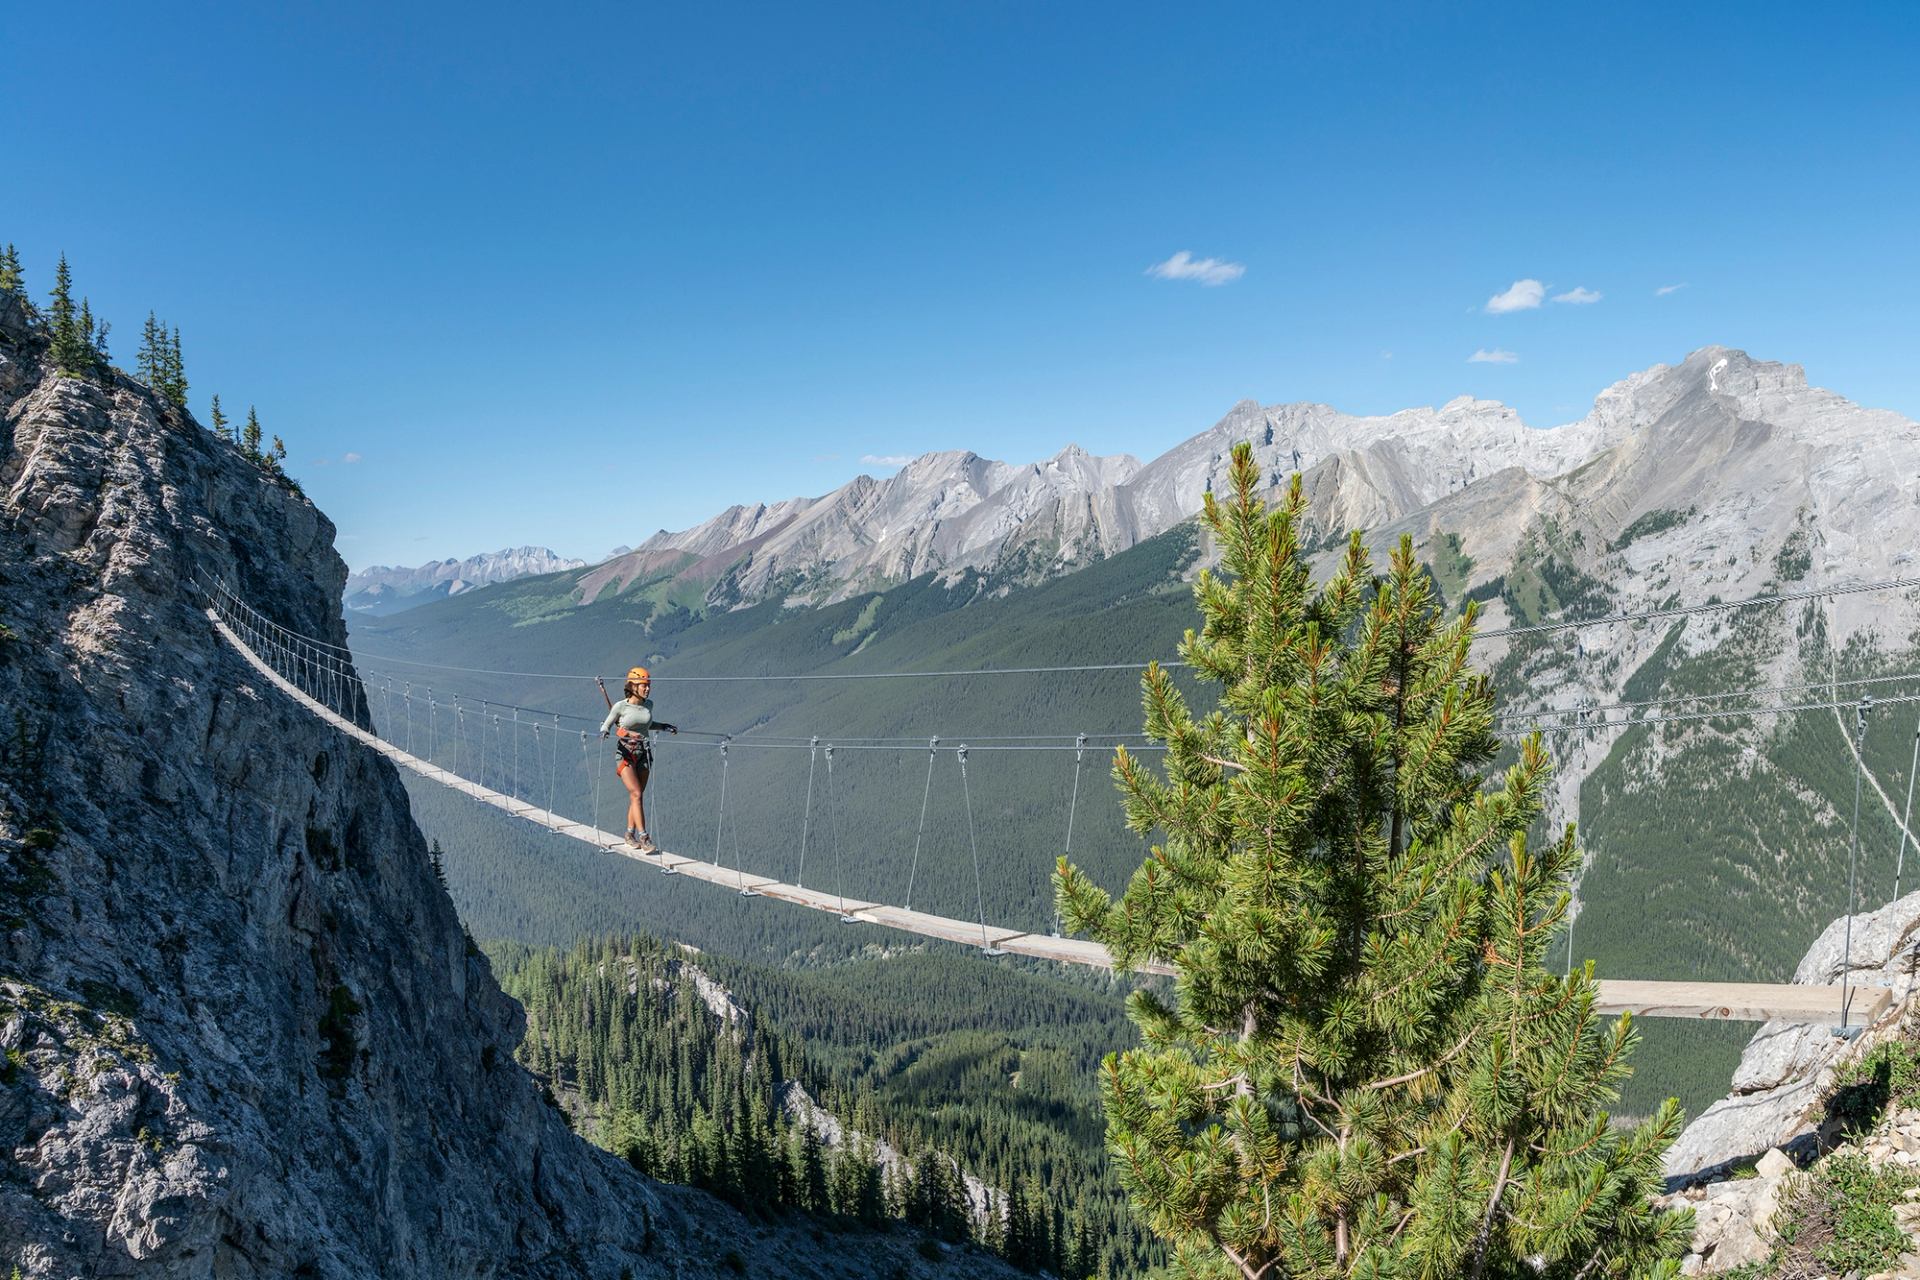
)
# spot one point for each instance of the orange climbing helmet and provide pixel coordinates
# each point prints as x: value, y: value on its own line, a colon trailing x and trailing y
x: 638, y: 673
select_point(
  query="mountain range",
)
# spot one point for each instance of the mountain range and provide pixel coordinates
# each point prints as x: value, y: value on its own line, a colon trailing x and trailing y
x: 951, y: 511
x: 383, y: 589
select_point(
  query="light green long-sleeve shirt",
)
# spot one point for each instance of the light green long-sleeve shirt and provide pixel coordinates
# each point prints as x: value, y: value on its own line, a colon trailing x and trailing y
x: 630, y: 717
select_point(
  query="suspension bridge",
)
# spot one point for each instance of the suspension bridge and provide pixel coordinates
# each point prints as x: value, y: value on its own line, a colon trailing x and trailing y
x: 322, y: 680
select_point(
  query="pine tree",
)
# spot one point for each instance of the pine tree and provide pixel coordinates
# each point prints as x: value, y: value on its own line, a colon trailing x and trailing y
x: 809, y: 1170
x: 72, y: 345
x: 11, y: 281
x: 93, y: 335
x: 250, y: 435
x: 1366, y: 1069
x: 275, y: 459
x: 176, y: 376
x: 147, y: 362
x: 221, y: 427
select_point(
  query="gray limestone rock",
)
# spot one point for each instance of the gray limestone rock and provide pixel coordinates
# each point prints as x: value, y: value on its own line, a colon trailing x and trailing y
x: 1788, y: 1069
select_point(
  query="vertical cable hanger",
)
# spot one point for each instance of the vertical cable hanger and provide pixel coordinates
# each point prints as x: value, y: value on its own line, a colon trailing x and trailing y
x: 806, y: 819
x: 1853, y: 869
x: 933, y: 753
x: 1066, y: 851
x: 979, y: 893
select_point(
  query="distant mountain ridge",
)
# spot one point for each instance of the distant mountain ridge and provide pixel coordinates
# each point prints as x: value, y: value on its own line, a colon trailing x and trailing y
x: 384, y: 589
x: 948, y: 511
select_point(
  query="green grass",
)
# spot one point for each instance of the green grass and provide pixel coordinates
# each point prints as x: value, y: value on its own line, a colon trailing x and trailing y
x: 1836, y: 1220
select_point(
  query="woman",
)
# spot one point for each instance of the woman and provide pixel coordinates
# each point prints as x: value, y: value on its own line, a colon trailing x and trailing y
x: 633, y: 718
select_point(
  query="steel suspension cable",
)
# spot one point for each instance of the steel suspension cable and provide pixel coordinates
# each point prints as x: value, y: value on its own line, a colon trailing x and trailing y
x: 720, y: 823
x: 596, y: 785
x: 1073, y: 803
x: 979, y: 892
x: 1906, y: 822
x: 806, y: 820
x: 1853, y: 859
x: 926, y: 794
x: 833, y: 837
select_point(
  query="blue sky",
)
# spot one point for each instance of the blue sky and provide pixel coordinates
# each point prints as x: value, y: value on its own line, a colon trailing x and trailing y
x: 566, y: 277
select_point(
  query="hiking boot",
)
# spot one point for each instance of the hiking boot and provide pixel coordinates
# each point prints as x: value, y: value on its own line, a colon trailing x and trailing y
x: 646, y: 844
x: 635, y: 839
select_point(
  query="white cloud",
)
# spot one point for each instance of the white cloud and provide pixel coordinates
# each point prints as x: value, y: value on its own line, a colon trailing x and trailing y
x: 1495, y: 356
x: 1211, y: 272
x: 886, y: 459
x: 1666, y: 289
x: 1578, y: 296
x: 1525, y: 295
x: 351, y: 458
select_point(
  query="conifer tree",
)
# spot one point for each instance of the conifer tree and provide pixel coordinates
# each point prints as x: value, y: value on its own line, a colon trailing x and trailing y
x: 221, y: 427
x: 1364, y: 1068
x: 11, y: 281
x: 72, y: 350
x: 147, y: 361
x: 93, y: 335
x: 250, y: 435
x: 809, y: 1169
x: 176, y: 371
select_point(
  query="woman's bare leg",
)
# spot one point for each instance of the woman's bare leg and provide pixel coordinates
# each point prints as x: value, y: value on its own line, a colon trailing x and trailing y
x: 639, y: 805
x: 636, y: 816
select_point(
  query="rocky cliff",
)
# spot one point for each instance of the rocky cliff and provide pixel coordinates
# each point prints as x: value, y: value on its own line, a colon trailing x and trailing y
x: 244, y: 1033
x: 1794, y: 1102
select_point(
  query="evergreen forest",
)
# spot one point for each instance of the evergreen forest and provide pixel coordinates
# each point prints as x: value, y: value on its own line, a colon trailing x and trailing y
x: 954, y: 1100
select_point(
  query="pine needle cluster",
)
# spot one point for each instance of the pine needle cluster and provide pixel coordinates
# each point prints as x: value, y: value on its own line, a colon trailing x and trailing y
x: 1364, y: 1069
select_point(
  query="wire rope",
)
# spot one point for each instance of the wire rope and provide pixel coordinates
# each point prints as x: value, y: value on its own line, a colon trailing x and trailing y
x: 1073, y: 804
x: 806, y: 819
x: 926, y: 794
x: 979, y: 891
x: 1906, y: 822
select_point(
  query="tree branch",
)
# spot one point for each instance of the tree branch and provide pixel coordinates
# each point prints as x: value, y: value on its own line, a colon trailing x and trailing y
x: 1442, y: 1061
x: 1486, y: 1220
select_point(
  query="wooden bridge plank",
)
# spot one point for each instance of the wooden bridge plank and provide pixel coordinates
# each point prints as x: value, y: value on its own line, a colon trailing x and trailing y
x: 814, y: 898
x: 1741, y: 1001
x: 932, y: 926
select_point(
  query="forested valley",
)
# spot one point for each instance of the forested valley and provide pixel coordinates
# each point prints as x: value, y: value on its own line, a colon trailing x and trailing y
x: 953, y: 1099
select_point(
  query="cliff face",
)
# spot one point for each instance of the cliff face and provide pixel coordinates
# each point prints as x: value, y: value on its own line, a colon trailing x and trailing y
x: 245, y: 1034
